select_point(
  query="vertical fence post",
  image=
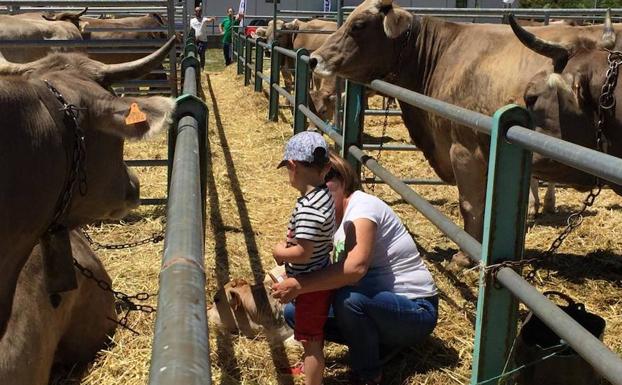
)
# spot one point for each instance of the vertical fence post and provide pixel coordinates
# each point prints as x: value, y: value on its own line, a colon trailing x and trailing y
x: 273, y: 112
x: 509, y: 173
x: 248, y: 59
x: 353, y: 121
x: 240, y: 54
x: 301, y: 90
x: 258, y: 65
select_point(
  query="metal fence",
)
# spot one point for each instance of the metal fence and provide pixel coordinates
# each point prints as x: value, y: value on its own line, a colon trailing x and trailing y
x: 503, y: 239
x: 180, y: 352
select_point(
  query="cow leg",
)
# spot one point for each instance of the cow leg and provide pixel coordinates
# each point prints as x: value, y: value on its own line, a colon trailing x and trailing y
x: 549, y: 199
x: 10, y: 266
x: 534, y: 198
x: 469, y: 169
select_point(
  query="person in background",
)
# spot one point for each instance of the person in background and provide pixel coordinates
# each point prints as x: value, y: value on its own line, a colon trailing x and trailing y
x: 225, y: 29
x: 200, y: 24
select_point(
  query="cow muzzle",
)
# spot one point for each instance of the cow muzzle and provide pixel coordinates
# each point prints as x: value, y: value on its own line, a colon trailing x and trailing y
x: 320, y: 66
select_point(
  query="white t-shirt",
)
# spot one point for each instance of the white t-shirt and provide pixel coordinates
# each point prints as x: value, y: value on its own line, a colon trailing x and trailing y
x: 396, y: 264
x: 200, y: 28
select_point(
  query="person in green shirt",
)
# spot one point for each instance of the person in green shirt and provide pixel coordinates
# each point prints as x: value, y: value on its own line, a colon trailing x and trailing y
x: 225, y: 29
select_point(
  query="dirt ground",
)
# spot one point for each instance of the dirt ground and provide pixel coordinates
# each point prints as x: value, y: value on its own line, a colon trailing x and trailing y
x: 249, y: 203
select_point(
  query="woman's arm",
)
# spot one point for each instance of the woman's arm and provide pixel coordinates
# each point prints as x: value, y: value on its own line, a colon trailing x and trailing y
x: 360, y: 238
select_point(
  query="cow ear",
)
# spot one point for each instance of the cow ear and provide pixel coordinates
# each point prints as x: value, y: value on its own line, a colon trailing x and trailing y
x: 132, y: 117
x: 292, y: 25
x: 235, y: 301
x: 396, y: 22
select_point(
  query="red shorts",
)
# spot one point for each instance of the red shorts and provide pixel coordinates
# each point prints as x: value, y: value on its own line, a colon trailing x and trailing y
x: 311, y: 314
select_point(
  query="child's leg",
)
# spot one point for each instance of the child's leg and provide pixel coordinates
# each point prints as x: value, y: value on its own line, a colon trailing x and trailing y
x: 314, y: 362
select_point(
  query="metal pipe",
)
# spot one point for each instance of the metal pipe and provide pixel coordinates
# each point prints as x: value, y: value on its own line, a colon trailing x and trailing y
x: 480, y: 122
x: 286, y: 52
x: 85, y: 3
x: 414, y: 181
x: 383, y: 112
x: 594, y: 162
x: 82, y: 43
x: 284, y: 93
x: 146, y: 162
x: 391, y: 147
x: 190, y: 82
x: 583, y: 342
x: 296, y: 12
x: 263, y: 77
x: 500, y: 11
x: 309, y: 31
x: 180, y: 346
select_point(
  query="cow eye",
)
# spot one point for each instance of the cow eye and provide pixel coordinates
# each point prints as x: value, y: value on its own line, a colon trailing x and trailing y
x: 530, y: 100
x: 358, y: 25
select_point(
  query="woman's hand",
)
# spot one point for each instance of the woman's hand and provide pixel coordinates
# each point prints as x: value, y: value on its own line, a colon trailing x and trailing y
x: 286, y: 290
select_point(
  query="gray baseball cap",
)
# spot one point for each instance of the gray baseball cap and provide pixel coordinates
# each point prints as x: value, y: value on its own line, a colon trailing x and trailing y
x: 306, y: 146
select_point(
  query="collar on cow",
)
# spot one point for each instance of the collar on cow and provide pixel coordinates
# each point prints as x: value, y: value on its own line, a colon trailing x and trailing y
x: 394, y: 76
x: 77, y: 171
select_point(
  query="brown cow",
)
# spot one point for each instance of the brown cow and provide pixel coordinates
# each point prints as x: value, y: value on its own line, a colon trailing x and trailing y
x: 249, y: 309
x: 565, y: 102
x: 34, y: 27
x: 37, y: 141
x: 39, y: 336
x: 481, y: 67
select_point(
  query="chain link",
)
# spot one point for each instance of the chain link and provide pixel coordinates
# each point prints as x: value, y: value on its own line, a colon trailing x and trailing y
x: 77, y: 171
x: 606, y: 104
x: 154, y: 238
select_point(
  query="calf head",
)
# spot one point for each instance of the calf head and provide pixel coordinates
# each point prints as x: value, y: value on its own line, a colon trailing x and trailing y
x: 367, y: 46
x: 564, y: 102
x: 324, y: 103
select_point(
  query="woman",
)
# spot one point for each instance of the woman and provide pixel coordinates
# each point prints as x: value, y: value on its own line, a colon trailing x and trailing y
x: 385, y: 297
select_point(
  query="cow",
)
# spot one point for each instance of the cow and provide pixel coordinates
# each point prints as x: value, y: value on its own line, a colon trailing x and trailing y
x: 240, y: 307
x: 31, y: 27
x: 481, y: 67
x: 71, y: 17
x: 39, y: 336
x: 56, y: 176
x: 564, y: 102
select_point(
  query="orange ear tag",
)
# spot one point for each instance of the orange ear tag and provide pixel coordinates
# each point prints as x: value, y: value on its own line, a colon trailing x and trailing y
x: 135, y: 115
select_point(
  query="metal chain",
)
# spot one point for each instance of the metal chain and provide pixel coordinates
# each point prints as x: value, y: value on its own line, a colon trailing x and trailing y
x: 371, y: 184
x: 77, y: 171
x: 606, y: 104
x: 154, y: 238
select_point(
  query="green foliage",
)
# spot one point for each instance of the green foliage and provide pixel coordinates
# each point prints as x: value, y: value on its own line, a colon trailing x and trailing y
x: 571, y: 3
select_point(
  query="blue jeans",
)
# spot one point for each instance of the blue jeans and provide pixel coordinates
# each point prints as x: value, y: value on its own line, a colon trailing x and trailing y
x: 371, y: 324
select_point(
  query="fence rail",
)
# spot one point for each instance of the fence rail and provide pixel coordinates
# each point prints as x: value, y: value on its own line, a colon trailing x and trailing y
x: 503, y: 238
x: 180, y: 353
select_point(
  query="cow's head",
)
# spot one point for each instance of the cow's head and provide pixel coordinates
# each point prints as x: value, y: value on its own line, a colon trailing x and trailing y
x: 282, y: 39
x: 111, y: 188
x: 564, y: 102
x: 243, y: 308
x: 324, y: 103
x: 362, y: 47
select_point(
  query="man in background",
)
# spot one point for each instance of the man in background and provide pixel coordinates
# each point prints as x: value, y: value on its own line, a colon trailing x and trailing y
x: 200, y: 24
x: 225, y: 29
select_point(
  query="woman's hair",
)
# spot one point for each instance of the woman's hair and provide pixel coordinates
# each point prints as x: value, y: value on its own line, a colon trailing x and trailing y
x: 345, y: 173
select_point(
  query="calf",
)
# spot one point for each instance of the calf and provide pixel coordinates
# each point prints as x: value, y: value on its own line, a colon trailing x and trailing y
x: 250, y: 309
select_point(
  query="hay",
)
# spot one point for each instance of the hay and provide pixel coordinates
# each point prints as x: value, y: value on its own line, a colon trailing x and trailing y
x: 249, y: 204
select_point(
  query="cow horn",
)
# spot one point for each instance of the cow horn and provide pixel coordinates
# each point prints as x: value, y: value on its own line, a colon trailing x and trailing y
x: 64, y: 15
x: 555, y: 51
x: 609, y: 35
x: 137, y: 68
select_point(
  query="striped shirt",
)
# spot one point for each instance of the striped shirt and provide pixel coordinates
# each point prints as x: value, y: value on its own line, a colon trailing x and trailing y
x: 313, y: 219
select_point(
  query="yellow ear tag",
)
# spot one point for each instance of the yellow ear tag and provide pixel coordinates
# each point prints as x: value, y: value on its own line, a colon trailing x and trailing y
x: 135, y: 115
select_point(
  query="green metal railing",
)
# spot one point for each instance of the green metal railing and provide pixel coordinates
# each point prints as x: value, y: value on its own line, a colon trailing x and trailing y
x: 505, y: 210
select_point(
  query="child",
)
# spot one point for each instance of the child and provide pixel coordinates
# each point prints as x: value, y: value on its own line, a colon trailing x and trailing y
x: 309, y: 242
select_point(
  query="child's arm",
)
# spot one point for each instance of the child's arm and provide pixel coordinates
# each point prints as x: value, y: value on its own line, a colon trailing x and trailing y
x: 294, y: 253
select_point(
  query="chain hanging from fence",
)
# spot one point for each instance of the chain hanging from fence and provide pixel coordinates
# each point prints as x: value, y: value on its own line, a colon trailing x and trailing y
x: 154, y: 238
x: 606, y: 105
x: 371, y: 183
x: 126, y: 301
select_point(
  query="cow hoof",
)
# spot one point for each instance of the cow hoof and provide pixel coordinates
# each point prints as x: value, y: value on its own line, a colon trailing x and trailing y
x: 459, y: 262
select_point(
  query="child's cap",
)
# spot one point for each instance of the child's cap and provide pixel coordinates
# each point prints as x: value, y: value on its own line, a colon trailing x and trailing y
x: 306, y: 146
